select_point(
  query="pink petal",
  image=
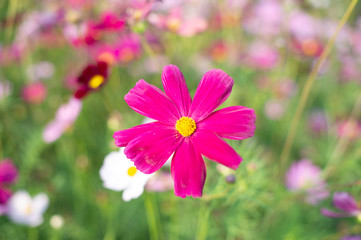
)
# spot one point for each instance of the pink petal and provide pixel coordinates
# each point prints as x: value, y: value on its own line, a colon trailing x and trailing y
x: 8, y: 172
x: 332, y: 214
x: 5, y: 194
x: 176, y: 88
x: 213, y: 147
x: 188, y: 171
x: 345, y: 202
x: 232, y: 122
x: 150, y: 150
x: 151, y: 102
x: 123, y: 137
x: 214, y: 88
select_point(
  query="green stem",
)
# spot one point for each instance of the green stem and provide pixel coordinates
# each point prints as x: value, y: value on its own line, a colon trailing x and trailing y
x: 153, y: 223
x: 308, y: 86
x: 203, y: 218
x: 33, y: 233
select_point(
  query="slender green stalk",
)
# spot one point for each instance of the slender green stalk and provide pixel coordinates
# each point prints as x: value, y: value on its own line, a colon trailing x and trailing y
x: 308, y: 86
x: 153, y: 221
x: 203, y: 219
x: 33, y: 234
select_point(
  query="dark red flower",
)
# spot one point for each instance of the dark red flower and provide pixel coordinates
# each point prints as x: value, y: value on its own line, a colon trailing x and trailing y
x: 92, y: 78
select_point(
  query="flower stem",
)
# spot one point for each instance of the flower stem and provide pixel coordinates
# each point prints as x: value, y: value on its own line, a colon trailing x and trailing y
x: 153, y: 221
x: 308, y: 86
x: 203, y: 218
x: 33, y: 233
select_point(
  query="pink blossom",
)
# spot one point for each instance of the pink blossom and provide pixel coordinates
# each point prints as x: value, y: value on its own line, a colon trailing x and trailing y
x: 176, y: 22
x: 34, y: 93
x: 350, y: 129
x: 266, y: 18
x: 262, y: 56
x: 128, y: 49
x: 297, y: 22
x: 8, y: 175
x: 65, y: 117
x: 346, y: 204
x: 185, y: 128
x: 274, y: 109
x: 317, y: 122
x: 305, y: 176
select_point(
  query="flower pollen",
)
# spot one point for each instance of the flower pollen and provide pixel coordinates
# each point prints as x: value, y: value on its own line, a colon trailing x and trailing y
x: 132, y: 171
x: 186, y: 126
x: 96, y: 81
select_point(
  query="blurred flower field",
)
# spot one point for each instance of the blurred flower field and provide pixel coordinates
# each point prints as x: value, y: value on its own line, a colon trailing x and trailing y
x: 266, y: 92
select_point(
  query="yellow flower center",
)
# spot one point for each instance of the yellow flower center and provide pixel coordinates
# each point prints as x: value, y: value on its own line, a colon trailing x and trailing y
x: 127, y: 55
x: 173, y: 24
x: 137, y: 14
x: 309, y: 47
x: 186, y: 126
x: 132, y: 171
x: 96, y: 81
x: 28, y: 209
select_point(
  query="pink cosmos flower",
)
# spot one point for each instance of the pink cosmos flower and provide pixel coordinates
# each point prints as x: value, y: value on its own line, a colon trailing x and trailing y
x: 65, y: 117
x: 35, y: 93
x: 346, y: 204
x: 266, y: 18
x: 8, y: 175
x: 262, y: 56
x: 177, y: 22
x: 186, y: 128
x: 305, y: 176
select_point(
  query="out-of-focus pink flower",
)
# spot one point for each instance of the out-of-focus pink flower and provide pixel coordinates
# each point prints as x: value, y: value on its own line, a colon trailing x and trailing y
x: 274, y: 109
x: 346, y: 204
x: 160, y: 182
x: 297, y: 22
x: 219, y: 51
x: 317, y: 122
x: 261, y: 56
x: 128, y: 49
x: 176, y: 22
x: 305, y: 176
x: 265, y: 19
x: 90, y: 32
x: 350, y: 70
x: 286, y: 88
x: 138, y: 10
x: 11, y: 53
x: 65, y: 117
x: 41, y: 70
x: 310, y: 47
x: 34, y: 93
x: 350, y: 129
x: 109, y: 22
x: 8, y: 175
x: 105, y: 53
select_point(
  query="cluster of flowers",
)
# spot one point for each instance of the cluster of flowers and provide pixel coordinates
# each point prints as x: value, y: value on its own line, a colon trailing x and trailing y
x: 20, y: 207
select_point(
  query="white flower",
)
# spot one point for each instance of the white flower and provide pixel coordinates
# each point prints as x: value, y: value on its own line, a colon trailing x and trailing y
x: 23, y: 209
x: 119, y: 173
x: 56, y: 221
